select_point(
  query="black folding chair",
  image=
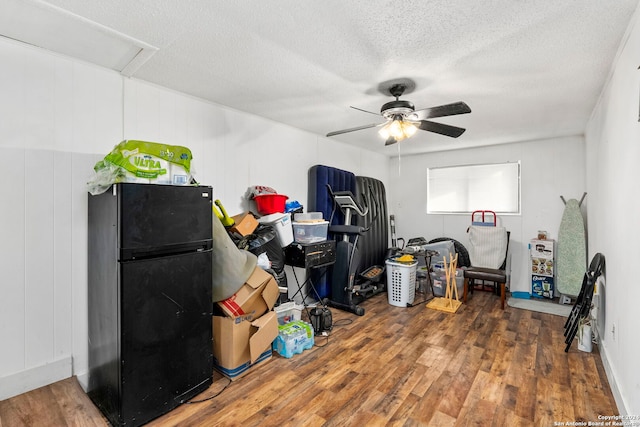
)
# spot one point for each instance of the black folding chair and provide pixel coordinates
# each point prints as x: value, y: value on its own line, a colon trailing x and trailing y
x: 582, y: 306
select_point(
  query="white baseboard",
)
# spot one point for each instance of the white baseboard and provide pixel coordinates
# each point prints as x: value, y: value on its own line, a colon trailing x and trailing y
x: 33, y: 378
x: 622, y: 409
x: 83, y: 379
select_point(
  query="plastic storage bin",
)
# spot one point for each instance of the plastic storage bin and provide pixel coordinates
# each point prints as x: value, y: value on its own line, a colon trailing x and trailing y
x: 310, y: 232
x: 282, y: 224
x: 439, y: 281
x: 445, y: 248
x: 401, y: 282
x: 293, y: 338
x: 268, y: 204
x: 288, y: 312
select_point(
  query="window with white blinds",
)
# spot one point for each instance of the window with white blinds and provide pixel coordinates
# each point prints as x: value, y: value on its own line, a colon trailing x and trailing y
x: 467, y: 188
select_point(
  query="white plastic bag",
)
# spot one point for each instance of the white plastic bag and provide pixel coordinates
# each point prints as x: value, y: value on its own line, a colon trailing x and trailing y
x: 263, y: 261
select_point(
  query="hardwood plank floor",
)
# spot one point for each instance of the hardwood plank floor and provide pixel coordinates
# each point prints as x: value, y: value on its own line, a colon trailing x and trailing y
x: 393, y: 366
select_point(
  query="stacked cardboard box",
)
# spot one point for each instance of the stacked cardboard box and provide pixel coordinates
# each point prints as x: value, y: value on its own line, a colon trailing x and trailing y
x: 244, y: 326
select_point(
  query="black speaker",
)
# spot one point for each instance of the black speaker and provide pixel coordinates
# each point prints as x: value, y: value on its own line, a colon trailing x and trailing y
x: 321, y: 319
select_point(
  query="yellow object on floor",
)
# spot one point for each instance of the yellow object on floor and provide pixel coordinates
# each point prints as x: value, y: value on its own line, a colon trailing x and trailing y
x: 448, y: 304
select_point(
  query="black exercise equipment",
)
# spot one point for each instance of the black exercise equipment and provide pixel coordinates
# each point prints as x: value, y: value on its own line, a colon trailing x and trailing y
x: 319, y: 200
x: 346, y: 291
x: 372, y: 245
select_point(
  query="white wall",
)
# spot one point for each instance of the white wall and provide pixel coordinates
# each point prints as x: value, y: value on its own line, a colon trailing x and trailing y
x: 549, y: 168
x: 55, y: 113
x: 60, y: 116
x: 613, y: 157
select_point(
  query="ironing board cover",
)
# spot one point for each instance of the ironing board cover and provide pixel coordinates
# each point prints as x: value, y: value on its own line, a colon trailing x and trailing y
x: 488, y: 246
x: 572, y: 250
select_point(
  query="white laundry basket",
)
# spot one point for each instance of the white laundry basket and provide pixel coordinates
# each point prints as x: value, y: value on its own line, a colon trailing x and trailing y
x: 401, y: 282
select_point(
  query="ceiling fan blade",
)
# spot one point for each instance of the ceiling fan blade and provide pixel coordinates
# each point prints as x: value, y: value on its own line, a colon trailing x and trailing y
x: 391, y: 140
x: 338, y: 132
x: 441, y: 128
x: 443, y: 110
x: 364, y: 111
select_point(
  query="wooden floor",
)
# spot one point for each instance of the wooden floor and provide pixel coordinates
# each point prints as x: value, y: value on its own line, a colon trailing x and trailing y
x: 393, y: 366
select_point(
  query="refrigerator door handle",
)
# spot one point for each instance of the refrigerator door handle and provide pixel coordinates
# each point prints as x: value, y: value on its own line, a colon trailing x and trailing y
x: 131, y: 254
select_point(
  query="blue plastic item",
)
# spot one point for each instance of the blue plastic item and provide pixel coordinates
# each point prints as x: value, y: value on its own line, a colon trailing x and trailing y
x: 293, y: 338
x: 292, y: 206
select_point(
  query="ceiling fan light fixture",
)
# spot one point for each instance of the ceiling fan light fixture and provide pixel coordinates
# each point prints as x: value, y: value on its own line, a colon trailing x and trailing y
x: 395, y: 129
x: 384, y: 132
x: 398, y: 129
x: 409, y: 129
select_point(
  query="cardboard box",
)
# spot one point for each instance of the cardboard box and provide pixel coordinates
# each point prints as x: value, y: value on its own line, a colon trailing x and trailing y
x: 258, y: 295
x: 241, y: 343
x: 244, y: 224
x: 542, y: 286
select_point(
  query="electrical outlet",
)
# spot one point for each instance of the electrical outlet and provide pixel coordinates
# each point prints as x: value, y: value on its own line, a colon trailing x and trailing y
x: 613, y: 331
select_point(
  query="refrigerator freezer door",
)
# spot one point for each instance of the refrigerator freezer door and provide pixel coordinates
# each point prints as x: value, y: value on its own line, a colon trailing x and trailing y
x: 163, y: 217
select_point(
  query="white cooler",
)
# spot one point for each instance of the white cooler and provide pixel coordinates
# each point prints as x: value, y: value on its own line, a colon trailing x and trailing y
x: 282, y: 224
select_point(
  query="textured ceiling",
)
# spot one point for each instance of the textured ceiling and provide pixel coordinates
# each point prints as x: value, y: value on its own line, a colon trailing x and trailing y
x: 528, y: 69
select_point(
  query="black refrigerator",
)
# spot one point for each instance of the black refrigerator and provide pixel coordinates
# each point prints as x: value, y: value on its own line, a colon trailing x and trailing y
x: 149, y: 298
